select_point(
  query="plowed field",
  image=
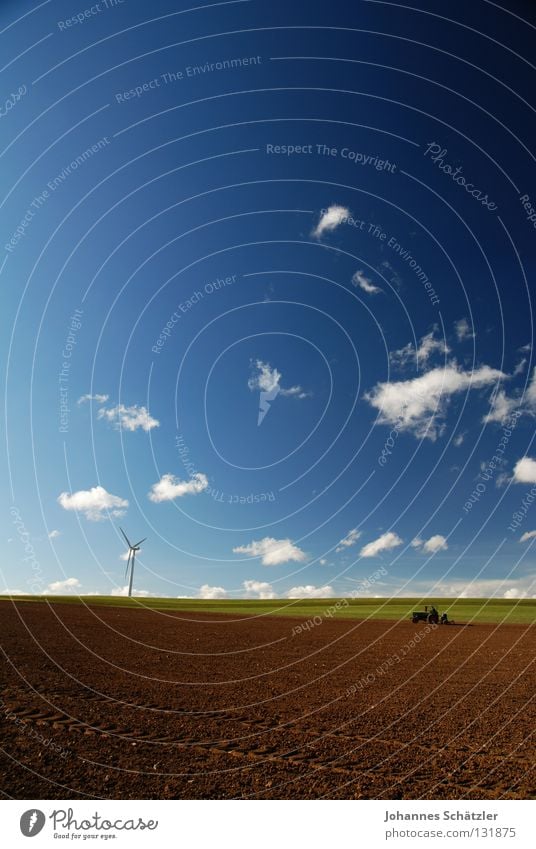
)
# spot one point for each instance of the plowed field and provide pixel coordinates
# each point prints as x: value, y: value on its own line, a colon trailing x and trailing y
x: 120, y: 703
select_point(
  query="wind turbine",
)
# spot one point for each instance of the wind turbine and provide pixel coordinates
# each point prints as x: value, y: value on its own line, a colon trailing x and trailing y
x: 132, y: 549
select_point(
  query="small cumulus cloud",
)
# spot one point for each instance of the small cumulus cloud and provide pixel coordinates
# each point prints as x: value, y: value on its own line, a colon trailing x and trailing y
x: 463, y: 330
x: 514, y: 592
x: 267, y: 379
x: 100, y: 399
x: 480, y: 588
x: 264, y: 378
x: 430, y: 546
x: 530, y: 394
x: 419, y: 406
x: 429, y: 345
x: 169, y: 487
x: 95, y: 503
x: 126, y: 554
x: 520, y: 367
x: 123, y: 592
x: 66, y: 586
x: 395, y: 277
x: 330, y: 219
x: 295, y: 392
x: 273, y: 552
x: 259, y: 589
x: 385, y: 542
x: 349, y: 540
x: 502, y: 405
x: 208, y: 592
x: 310, y: 591
x: 525, y: 471
x: 361, y: 280
x: 528, y: 535
x: 54, y: 534
x: 129, y: 418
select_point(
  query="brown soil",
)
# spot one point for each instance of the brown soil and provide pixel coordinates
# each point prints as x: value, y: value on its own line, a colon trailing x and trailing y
x: 120, y: 703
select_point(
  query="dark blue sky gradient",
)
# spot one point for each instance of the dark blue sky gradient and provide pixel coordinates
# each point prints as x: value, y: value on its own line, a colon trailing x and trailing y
x: 179, y: 195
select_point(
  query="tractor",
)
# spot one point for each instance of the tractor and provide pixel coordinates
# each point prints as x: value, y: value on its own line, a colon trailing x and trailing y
x: 427, y: 615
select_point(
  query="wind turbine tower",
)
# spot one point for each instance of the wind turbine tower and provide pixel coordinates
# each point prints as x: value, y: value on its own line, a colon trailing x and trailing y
x: 132, y: 549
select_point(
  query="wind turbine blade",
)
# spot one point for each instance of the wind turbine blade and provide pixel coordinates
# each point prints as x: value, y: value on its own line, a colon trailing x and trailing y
x: 126, y: 538
x: 140, y: 542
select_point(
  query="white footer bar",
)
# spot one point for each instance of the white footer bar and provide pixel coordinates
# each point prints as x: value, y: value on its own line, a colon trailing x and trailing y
x: 270, y: 824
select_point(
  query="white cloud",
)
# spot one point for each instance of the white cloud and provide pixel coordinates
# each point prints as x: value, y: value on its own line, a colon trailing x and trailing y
x: 528, y: 535
x: 395, y: 277
x: 54, y: 534
x: 125, y: 555
x: 310, y: 591
x: 208, y: 592
x: 123, y: 592
x: 169, y: 487
x: 514, y: 592
x: 402, y: 356
x: 273, y: 552
x: 93, y: 503
x: 267, y: 379
x: 323, y: 561
x: 501, y: 480
x: 100, y: 399
x: 129, y: 418
x: 349, y: 540
x: 520, y: 367
x: 330, y: 219
x: 500, y: 407
x: 458, y: 440
x: 435, y: 543
x: 530, y: 394
x: 428, y: 346
x: 525, y: 471
x: 68, y: 585
x: 359, y: 279
x: 419, y: 406
x: 259, y: 589
x: 481, y: 588
x: 385, y: 542
x: 295, y: 392
x: 463, y: 330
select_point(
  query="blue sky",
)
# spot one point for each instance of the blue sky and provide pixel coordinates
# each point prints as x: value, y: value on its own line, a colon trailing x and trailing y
x: 266, y: 276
